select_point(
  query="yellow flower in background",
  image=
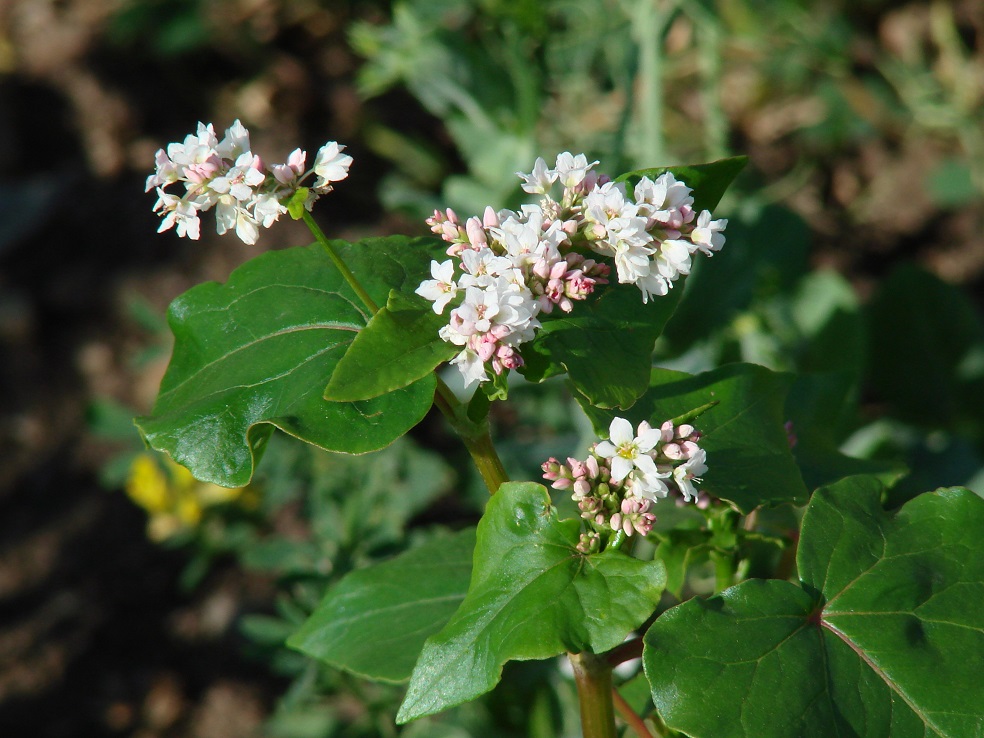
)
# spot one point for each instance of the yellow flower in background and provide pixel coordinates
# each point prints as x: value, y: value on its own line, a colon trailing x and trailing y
x: 174, y: 500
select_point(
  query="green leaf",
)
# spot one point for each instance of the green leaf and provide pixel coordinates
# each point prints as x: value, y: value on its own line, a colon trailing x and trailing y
x: 257, y: 351
x: 398, y: 347
x: 708, y: 181
x: 605, y: 345
x: 374, y: 621
x: 748, y: 456
x: 532, y: 596
x: 885, y: 638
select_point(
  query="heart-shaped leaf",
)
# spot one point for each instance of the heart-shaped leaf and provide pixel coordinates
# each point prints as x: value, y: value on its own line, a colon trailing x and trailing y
x: 257, y: 352
x: 532, y: 596
x: 748, y: 455
x: 374, y: 621
x: 885, y: 638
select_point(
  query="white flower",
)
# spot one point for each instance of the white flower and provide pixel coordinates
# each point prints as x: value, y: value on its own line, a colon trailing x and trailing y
x: 708, y: 234
x: 481, y: 266
x: 330, y: 164
x: 650, y: 486
x: 235, y: 143
x: 628, y: 452
x: 540, y: 179
x: 632, y: 261
x: 690, y: 470
x: 471, y: 366
x: 196, y: 148
x: 524, y: 238
x: 267, y: 209
x: 673, y: 259
x: 442, y: 288
x: 241, y: 179
x: 475, y: 314
x: 180, y: 213
x: 231, y: 214
x: 666, y: 200
x: 608, y: 203
x: 516, y: 308
x: 571, y: 170
x: 228, y: 176
x: 652, y: 284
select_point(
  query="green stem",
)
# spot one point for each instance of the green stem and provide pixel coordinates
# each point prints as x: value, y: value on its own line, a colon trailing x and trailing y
x: 724, y: 570
x: 475, y: 436
x: 339, y: 264
x: 593, y: 676
x: 650, y: 21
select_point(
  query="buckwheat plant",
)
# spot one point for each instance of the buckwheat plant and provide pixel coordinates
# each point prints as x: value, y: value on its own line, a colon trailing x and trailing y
x: 855, y: 621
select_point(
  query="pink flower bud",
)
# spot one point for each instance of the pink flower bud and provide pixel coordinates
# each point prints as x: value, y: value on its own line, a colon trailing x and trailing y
x: 509, y: 357
x: 578, y: 467
x: 476, y: 234
x: 485, y: 346
x: 582, y: 488
x: 490, y: 219
x: 673, y: 451
x: 592, y: 464
x: 551, y: 469
x: 684, y: 431
x: 449, y: 231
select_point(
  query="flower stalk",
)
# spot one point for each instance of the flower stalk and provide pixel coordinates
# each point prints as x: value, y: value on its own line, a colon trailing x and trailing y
x: 339, y: 264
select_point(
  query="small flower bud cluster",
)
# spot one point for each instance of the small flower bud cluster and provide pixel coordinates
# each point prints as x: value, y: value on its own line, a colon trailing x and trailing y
x: 509, y: 266
x: 227, y: 175
x: 623, y: 476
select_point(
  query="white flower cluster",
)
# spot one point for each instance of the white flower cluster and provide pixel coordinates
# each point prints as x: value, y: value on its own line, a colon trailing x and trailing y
x: 624, y: 475
x: 507, y: 267
x: 228, y: 176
